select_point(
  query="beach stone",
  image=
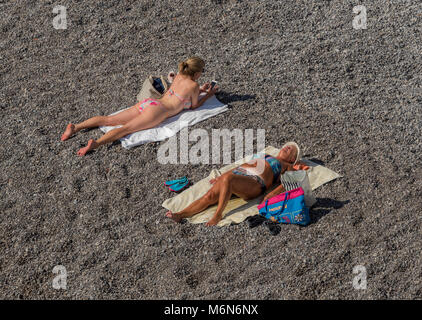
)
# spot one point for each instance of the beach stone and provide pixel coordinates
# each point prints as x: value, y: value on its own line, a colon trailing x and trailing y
x: 298, y: 69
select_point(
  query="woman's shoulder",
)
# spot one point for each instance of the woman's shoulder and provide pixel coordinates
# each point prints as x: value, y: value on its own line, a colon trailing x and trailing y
x: 186, y: 82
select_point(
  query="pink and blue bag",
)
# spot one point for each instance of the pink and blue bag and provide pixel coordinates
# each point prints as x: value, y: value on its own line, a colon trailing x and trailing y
x: 288, y: 207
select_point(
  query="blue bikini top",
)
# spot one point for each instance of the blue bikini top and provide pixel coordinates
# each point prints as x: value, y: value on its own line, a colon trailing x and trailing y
x: 274, y: 164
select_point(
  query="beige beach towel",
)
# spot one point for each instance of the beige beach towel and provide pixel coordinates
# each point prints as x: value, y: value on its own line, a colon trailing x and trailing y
x: 237, y: 209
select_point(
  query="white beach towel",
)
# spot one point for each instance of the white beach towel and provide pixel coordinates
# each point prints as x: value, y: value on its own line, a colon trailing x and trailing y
x: 171, y: 126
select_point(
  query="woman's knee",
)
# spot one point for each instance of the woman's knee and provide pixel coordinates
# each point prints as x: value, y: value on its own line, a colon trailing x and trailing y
x: 226, y: 179
x: 118, y: 133
x: 125, y: 130
x: 110, y: 121
x: 211, y: 196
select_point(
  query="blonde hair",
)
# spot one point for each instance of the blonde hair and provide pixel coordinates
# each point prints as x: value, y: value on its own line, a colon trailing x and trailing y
x: 191, y: 66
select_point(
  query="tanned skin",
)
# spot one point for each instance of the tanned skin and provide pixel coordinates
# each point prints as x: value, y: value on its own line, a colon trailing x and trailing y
x: 224, y: 186
x: 132, y: 120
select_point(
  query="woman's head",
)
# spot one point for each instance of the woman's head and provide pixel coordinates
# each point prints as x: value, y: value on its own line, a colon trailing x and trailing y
x: 192, y: 67
x: 290, y: 152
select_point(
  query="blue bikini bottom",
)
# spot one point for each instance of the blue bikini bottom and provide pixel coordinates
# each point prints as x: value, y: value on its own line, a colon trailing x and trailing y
x: 243, y: 172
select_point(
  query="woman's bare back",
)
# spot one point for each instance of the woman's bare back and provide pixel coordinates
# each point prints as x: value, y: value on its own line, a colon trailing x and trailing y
x: 179, y: 95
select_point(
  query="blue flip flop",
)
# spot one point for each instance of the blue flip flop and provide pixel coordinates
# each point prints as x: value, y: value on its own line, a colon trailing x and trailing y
x: 173, y: 182
x: 179, y: 187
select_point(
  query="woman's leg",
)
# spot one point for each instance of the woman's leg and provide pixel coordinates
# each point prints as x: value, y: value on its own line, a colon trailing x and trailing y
x: 151, y: 116
x: 242, y: 186
x: 224, y: 197
x: 220, y: 192
x: 118, y: 119
x: 210, y: 198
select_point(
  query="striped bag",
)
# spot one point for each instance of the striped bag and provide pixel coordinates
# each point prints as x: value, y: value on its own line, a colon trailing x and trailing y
x: 298, y: 179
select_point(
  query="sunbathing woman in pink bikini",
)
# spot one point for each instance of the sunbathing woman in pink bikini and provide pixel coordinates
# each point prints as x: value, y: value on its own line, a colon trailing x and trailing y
x: 183, y: 94
x: 247, y: 181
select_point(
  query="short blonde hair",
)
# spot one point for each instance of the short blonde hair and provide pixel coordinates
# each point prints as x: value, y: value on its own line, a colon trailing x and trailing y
x: 191, y: 66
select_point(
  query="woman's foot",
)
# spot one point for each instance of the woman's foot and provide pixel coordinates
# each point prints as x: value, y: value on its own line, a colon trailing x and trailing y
x: 90, y: 146
x: 70, y: 130
x: 213, y: 221
x: 175, y: 216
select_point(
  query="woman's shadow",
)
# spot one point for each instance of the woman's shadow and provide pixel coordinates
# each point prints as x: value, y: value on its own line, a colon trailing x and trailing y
x: 322, y: 207
x: 226, y: 97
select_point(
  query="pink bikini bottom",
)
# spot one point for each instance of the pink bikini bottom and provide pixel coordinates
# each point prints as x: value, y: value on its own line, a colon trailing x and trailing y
x: 148, y: 102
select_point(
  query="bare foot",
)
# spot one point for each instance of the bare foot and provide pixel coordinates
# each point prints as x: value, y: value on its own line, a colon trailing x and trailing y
x: 70, y: 130
x: 175, y: 216
x: 213, y: 221
x: 90, y: 146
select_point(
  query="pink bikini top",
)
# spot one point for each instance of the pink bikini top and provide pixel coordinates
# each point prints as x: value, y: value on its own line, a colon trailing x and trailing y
x: 187, y: 103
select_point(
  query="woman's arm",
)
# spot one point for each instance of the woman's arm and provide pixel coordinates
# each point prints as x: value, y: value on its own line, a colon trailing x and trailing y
x: 204, y: 87
x: 275, y: 192
x: 196, y: 101
x: 286, y: 166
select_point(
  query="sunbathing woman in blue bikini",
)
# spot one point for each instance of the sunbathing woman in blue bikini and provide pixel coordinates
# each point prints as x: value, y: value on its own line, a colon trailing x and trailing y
x: 247, y: 181
x: 183, y: 94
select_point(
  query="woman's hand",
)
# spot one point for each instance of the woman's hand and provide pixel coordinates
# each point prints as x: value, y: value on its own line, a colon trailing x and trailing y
x: 268, y: 196
x: 197, y: 99
x: 276, y: 191
x: 287, y: 166
x: 204, y: 87
x: 211, y: 91
x: 214, y: 180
